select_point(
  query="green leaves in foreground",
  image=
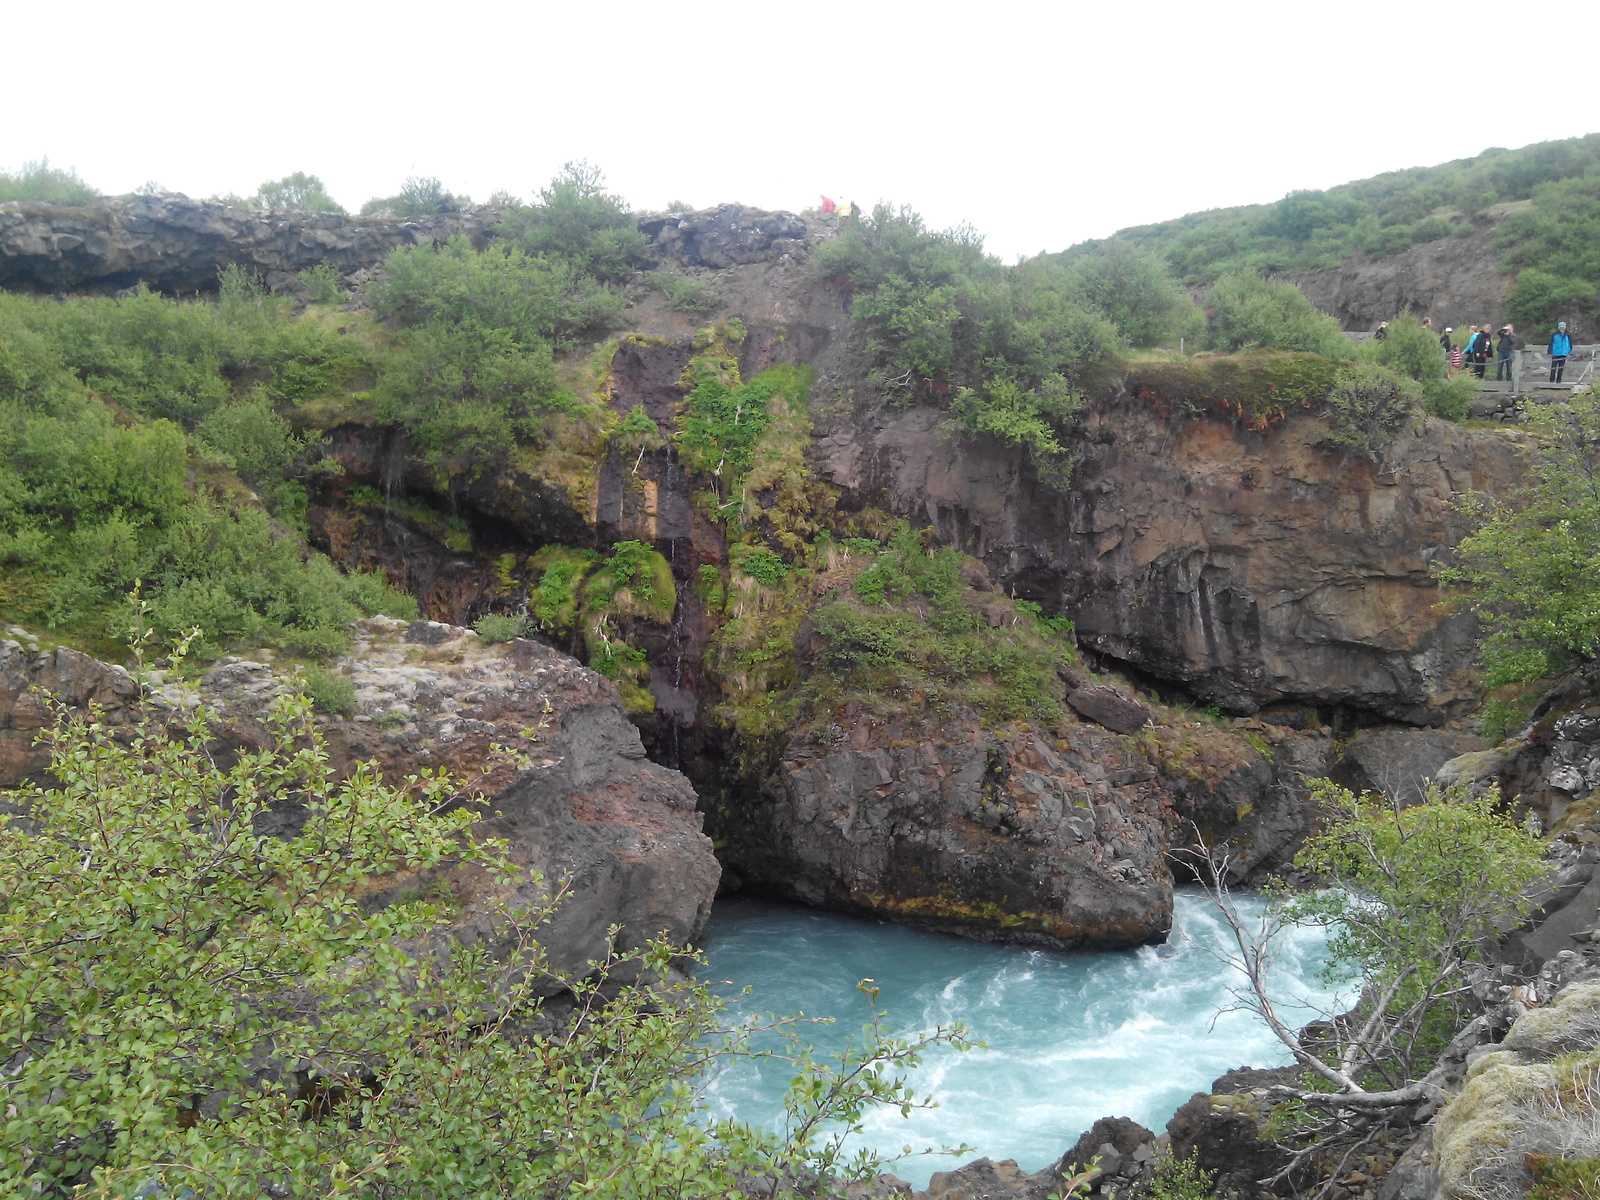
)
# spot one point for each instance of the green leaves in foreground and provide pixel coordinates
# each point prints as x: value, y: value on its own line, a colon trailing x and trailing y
x: 200, y: 996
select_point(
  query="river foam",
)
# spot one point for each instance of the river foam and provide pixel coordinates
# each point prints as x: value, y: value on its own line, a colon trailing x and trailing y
x: 1070, y: 1038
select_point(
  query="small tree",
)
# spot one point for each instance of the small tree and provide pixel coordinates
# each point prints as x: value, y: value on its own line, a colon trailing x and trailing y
x: 300, y: 191
x: 1413, y: 352
x: 1247, y: 311
x: 1532, y: 568
x: 1411, y: 896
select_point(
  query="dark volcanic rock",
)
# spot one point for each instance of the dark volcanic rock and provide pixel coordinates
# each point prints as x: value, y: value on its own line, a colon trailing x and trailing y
x: 725, y: 236
x: 175, y: 244
x: 1020, y: 837
x: 1254, y: 568
x: 1118, y: 712
x: 1400, y: 763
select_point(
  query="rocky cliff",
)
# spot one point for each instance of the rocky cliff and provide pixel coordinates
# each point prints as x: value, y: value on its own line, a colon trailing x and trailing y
x: 174, y: 244
x: 1264, y: 575
x: 589, y: 810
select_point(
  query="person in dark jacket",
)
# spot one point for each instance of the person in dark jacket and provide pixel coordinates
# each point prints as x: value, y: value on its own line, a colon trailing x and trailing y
x: 1505, y: 356
x: 1478, y: 351
x: 1445, y: 342
x: 1381, y: 332
x: 1560, y: 348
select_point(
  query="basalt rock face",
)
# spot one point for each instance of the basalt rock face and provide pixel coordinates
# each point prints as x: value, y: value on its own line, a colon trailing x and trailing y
x: 174, y: 244
x: 1025, y: 838
x: 1454, y: 280
x: 1253, y: 568
x: 588, y: 808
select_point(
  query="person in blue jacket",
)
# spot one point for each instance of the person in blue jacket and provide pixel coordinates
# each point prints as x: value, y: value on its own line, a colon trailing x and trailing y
x: 1560, y: 347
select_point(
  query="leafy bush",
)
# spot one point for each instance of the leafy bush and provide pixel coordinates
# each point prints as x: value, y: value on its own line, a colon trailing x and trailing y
x: 1532, y: 568
x: 328, y: 692
x: 38, y: 180
x: 1411, y: 895
x: 1009, y: 348
x: 578, y: 222
x: 1129, y: 286
x: 1245, y: 311
x: 555, y: 602
x: 258, y: 1024
x: 260, y: 445
x: 496, y: 627
x: 1413, y: 352
x: 762, y: 565
x: 321, y: 283
x: 420, y: 195
x: 686, y: 293
x: 473, y: 369
x: 1369, y: 405
x: 1257, y: 388
x: 297, y: 191
x: 1181, y: 1179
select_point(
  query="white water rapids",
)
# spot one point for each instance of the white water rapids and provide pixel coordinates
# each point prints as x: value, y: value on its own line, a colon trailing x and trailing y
x: 1070, y: 1038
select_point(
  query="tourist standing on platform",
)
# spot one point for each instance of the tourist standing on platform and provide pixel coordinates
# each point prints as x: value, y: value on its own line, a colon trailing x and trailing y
x: 1560, y: 348
x: 1505, y: 366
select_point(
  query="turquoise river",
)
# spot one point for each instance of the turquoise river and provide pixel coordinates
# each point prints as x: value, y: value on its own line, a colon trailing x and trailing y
x: 1070, y: 1038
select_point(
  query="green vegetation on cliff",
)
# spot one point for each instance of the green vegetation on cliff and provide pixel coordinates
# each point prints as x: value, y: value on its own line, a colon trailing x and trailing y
x: 119, y: 421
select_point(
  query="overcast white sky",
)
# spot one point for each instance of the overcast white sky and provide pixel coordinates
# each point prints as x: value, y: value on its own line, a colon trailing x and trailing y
x: 1041, y: 123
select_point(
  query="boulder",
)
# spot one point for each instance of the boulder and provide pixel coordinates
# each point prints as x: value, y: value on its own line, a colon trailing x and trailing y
x: 1107, y: 706
x: 1399, y: 763
x: 585, y: 808
x: 1008, y: 835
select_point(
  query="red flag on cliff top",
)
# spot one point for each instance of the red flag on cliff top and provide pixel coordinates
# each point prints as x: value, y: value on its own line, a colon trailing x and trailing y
x: 828, y: 205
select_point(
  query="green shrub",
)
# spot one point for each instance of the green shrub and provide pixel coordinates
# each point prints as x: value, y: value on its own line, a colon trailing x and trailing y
x: 497, y: 627
x: 762, y: 565
x: 1129, y: 286
x: 1369, y: 406
x: 321, y: 283
x: 1413, y: 352
x: 420, y: 195
x: 38, y: 180
x: 1009, y: 349
x: 577, y: 222
x: 686, y: 293
x: 1257, y: 388
x: 473, y: 369
x: 1245, y: 311
x: 554, y: 603
x: 328, y: 692
x: 297, y: 191
x: 1181, y: 1179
